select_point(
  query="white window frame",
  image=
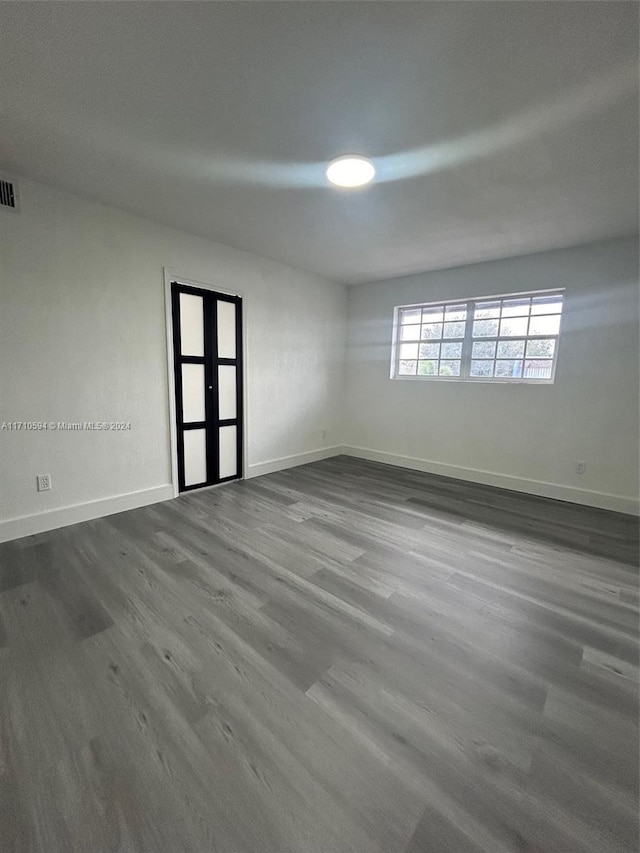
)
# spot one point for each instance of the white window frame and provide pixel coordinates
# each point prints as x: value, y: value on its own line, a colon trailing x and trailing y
x: 468, y: 340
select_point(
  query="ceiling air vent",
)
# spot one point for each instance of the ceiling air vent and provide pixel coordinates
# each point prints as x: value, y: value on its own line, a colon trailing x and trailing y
x: 8, y: 194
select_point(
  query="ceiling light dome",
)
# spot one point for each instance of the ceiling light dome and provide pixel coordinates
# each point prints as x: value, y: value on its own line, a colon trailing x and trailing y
x: 350, y: 171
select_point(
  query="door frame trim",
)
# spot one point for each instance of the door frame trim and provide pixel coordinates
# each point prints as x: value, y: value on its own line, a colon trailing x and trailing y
x: 171, y: 275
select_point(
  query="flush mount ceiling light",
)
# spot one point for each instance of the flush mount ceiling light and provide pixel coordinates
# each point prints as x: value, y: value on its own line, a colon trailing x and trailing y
x: 350, y: 171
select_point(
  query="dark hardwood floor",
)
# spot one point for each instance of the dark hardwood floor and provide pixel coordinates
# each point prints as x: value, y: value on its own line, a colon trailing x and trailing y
x: 339, y: 658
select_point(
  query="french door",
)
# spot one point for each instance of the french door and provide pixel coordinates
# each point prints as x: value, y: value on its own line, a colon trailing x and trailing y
x: 207, y: 357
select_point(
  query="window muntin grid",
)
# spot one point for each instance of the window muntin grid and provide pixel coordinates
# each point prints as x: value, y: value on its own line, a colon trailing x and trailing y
x: 510, y: 338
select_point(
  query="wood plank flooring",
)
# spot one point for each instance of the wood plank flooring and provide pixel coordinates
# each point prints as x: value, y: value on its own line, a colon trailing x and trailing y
x: 340, y: 658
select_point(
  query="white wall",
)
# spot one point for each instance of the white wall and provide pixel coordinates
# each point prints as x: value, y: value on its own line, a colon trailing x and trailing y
x: 83, y: 338
x: 526, y: 437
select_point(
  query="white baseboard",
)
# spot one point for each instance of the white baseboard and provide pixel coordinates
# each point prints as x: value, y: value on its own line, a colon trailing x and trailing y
x: 27, y: 525
x: 260, y: 468
x: 602, y: 500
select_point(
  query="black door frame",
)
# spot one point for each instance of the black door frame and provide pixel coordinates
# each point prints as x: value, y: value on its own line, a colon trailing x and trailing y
x: 211, y: 362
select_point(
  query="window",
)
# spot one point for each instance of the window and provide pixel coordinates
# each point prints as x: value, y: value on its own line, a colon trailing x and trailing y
x: 511, y: 338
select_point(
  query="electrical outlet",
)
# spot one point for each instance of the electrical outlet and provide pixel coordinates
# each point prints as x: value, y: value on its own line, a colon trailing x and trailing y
x: 581, y: 467
x: 325, y: 433
x: 44, y: 482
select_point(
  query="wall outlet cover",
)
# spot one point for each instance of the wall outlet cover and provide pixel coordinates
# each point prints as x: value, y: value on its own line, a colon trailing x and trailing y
x: 44, y: 482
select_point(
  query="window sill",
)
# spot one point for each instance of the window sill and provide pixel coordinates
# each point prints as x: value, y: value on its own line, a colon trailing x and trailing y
x: 478, y: 381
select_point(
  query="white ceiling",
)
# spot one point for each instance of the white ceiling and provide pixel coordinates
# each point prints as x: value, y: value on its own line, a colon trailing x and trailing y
x: 498, y: 128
